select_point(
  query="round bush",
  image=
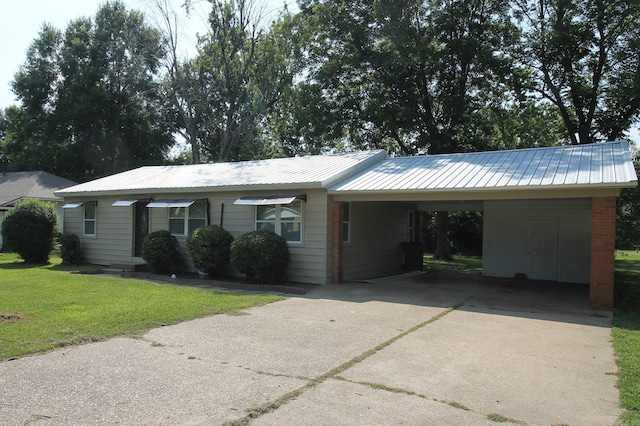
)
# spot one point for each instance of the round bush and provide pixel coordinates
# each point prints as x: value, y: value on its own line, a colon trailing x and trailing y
x: 210, y: 249
x: 161, y: 251
x: 263, y: 256
x: 28, y: 229
x: 70, y: 249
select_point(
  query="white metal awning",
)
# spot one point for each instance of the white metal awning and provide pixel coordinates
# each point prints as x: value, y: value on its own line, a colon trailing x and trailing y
x: 124, y: 203
x: 262, y: 200
x: 74, y: 204
x: 171, y: 203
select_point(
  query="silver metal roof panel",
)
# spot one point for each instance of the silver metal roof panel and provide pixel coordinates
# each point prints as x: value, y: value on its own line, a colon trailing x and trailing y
x: 603, y: 164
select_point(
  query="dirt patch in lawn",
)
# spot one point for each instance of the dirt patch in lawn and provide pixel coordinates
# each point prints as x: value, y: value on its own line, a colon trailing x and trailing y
x: 10, y: 316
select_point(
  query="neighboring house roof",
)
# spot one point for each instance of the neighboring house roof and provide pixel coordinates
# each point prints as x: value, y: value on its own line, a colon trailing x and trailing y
x: 318, y: 171
x: 36, y: 184
x: 594, y: 165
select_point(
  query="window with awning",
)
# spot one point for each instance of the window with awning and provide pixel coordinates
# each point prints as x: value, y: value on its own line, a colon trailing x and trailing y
x: 282, y: 215
x: 185, y: 215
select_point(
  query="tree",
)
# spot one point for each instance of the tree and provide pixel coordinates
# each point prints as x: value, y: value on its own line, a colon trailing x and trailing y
x: 628, y: 214
x: 243, y: 74
x: 585, y: 59
x: 184, y: 89
x: 409, y: 76
x: 89, y: 103
x: 219, y: 99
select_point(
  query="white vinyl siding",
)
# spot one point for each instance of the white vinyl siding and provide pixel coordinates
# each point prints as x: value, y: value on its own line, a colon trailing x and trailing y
x: 377, y: 231
x: 308, y: 259
x: 113, y: 242
x: 509, y: 228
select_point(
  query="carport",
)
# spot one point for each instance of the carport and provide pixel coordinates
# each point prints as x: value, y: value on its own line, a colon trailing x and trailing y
x: 549, y: 213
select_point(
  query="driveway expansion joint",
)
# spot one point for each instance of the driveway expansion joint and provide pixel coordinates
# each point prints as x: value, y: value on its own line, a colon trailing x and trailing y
x: 272, y: 406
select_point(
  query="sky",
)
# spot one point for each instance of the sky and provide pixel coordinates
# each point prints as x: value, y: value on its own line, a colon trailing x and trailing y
x: 21, y: 20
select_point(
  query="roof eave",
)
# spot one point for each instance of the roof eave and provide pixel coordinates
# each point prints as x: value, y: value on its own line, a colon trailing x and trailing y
x: 567, y: 187
x: 193, y: 190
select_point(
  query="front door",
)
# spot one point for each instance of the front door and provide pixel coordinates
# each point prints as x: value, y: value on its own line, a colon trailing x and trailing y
x: 140, y: 227
x: 542, y: 249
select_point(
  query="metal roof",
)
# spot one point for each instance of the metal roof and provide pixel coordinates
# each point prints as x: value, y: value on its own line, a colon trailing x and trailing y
x: 594, y: 165
x: 312, y: 171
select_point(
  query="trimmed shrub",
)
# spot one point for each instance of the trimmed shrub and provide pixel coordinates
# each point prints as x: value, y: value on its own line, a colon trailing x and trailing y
x: 210, y: 249
x: 161, y: 251
x: 263, y: 256
x: 70, y: 250
x: 29, y: 228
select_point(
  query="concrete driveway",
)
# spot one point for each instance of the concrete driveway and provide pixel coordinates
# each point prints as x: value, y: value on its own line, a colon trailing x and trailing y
x: 435, y: 349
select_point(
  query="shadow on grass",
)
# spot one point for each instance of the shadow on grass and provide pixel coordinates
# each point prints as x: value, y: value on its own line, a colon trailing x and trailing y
x: 627, y: 292
x: 14, y: 262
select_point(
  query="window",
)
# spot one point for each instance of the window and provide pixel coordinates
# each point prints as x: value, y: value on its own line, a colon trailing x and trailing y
x: 346, y: 222
x: 283, y: 219
x: 184, y: 220
x: 89, y: 221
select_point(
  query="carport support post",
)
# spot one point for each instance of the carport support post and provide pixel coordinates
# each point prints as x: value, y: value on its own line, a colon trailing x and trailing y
x: 337, y: 239
x: 603, y: 244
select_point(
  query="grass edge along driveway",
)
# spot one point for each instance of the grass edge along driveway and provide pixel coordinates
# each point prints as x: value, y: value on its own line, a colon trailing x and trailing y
x: 43, y: 307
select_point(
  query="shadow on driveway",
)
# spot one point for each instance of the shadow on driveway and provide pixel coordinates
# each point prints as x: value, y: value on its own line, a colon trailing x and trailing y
x: 545, y: 300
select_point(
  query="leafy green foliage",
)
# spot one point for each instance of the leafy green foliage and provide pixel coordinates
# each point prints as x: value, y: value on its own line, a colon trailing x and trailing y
x: 161, y: 251
x: 221, y: 98
x: 263, y: 256
x: 628, y: 216
x: 464, y: 230
x: 88, y: 98
x: 405, y: 76
x: 584, y: 58
x: 210, y: 249
x: 29, y: 228
x: 70, y: 249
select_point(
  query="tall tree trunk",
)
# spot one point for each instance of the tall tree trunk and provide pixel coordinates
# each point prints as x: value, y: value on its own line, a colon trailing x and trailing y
x: 443, y: 248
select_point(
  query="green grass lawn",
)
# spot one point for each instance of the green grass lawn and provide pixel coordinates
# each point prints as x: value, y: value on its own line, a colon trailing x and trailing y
x: 459, y: 263
x: 626, y: 334
x: 45, y: 307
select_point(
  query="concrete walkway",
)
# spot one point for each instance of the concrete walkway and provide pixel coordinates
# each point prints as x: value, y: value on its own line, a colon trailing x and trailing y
x: 435, y: 349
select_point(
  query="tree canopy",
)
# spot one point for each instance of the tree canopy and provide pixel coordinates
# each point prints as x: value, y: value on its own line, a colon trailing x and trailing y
x: 111, y: 92
x: 88, y: 98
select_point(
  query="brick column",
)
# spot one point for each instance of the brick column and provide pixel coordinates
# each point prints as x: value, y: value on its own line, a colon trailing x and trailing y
x: 603, y: 244
x: 337, y: 239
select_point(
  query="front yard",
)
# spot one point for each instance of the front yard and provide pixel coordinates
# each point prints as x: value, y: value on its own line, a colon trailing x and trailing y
x: 45, y: 307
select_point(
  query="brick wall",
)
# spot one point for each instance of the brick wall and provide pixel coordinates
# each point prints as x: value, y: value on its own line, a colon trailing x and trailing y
x: 603, y: 240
